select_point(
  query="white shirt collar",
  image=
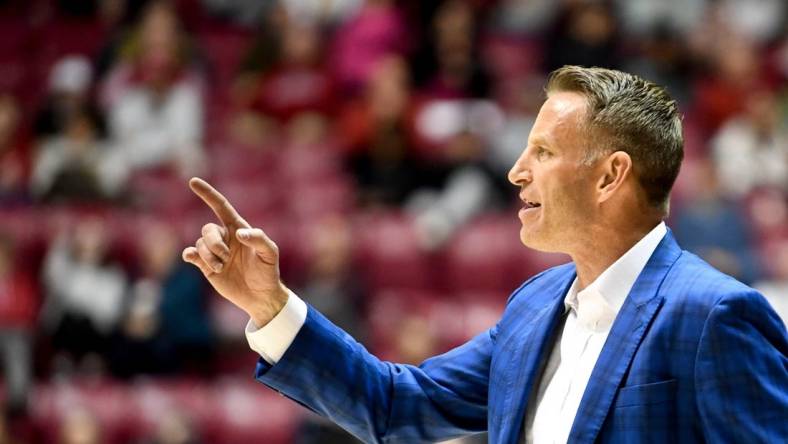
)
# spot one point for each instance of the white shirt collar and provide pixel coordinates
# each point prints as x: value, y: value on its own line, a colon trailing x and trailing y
x: 597, y: 305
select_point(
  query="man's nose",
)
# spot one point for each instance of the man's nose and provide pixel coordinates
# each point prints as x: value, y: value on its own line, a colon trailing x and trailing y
x: 520, y: 171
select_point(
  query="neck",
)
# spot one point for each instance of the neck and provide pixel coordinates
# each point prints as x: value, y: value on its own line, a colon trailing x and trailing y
x: 603, y: 246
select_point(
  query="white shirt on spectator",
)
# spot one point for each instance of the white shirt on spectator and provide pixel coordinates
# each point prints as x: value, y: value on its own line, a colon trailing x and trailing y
x: 94, y: 291
x: 746, y: 160
x: 150, y: 129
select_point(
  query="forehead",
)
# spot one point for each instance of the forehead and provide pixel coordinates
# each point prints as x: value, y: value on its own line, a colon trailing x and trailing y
x: 559, y: 120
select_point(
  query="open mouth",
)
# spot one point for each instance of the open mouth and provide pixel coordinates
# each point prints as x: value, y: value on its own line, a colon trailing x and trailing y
x: 529, y: 205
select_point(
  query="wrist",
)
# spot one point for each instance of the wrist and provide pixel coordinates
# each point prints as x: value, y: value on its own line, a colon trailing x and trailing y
x: 263, y: 312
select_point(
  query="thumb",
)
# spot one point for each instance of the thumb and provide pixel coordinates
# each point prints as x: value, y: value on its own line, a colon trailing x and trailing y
x: 260, y: 242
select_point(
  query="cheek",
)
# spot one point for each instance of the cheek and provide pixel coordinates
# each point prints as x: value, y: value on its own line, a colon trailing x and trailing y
x: 579, y: 197
x: 569, y: 197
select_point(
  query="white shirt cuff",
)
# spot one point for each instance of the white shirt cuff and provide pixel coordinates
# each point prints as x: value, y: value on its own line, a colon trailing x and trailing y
x: 273, y: 339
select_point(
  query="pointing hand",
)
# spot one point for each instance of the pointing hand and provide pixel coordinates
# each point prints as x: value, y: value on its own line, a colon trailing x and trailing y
x: 239, y: 261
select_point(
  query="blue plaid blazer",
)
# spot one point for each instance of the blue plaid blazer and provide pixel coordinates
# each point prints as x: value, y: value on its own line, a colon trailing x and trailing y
x: 693, y: 356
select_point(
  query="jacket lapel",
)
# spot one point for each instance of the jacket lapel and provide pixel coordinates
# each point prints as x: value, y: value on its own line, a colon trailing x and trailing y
x: 626, y: 334
x: 532, y: 337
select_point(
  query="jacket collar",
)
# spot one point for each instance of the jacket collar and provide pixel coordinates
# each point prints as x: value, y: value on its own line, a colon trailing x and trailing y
x: 625, y: 336
x: 629, y: 328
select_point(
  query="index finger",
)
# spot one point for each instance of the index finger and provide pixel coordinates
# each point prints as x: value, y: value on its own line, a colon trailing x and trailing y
x: 217, y: 202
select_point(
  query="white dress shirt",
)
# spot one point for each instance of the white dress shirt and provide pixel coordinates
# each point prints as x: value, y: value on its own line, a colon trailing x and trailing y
x: 591, y: 313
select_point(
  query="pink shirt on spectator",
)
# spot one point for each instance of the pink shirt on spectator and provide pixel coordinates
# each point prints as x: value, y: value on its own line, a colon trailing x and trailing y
x: 365, y: 39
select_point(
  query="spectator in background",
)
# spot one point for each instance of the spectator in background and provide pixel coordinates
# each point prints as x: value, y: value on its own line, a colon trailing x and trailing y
x: 13, y: 153
x: 184, y: 330
x: 751, y: 149
x: 587, y: 34
x: 373, y: 33
x: 282, y: 81
x: 467, y: 188
x: 19, y: 302
x: 297, y: 83
x: 378, y: 136
x: 72, y: 165
x: 452, y: 125
x: 118, y: 18
x: 153, y: 97
x: 331, y: 286
x: 733, y: 72
x: 84, y: 296
x: 71, y: 158
x: 70, y: 84
x: 714, y: 227
x: 665, y: 59
x: 449, y: 66
x: 166, y: 326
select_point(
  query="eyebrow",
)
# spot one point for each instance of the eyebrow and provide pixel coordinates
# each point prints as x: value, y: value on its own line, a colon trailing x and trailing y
x: 539, y: 141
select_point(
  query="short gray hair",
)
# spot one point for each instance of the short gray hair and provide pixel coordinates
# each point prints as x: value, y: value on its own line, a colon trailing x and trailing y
x: 630, y: 114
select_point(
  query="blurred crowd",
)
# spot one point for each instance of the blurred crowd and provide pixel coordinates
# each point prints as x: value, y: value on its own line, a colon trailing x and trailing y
x: 369, y: 138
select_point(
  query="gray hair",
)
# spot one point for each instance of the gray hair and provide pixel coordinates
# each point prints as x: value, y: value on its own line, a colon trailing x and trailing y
x: 627, y: 113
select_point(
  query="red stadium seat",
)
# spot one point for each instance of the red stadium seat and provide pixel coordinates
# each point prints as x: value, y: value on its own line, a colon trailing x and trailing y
x: 389, y: 252
x: 252, y: 196
x: 310, y: 163
x: 247, y: 411
x: 309, y: 200
x: 481, y: 255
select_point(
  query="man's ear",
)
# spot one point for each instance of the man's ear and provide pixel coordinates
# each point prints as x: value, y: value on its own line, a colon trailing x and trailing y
x: 616, y: 168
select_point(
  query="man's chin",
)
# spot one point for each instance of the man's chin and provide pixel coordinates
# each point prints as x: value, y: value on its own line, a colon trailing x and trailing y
x: 533, y: 240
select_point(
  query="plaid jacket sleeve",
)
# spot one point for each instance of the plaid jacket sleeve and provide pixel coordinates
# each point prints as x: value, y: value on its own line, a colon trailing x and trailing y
x: 741, y: 372
x: 330, y: 373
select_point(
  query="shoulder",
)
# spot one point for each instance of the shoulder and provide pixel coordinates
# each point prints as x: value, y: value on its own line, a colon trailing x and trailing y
x: 693, y: 286
x: 693, y: 278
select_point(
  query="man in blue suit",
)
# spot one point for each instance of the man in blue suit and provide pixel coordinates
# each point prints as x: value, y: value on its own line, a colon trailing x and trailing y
x: 634, y: 340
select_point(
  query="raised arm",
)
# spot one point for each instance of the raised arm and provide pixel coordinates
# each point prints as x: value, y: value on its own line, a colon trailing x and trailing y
x: 324, y: 368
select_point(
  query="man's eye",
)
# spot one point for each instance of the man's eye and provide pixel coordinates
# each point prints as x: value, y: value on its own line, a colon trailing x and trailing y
x: 541, y: 152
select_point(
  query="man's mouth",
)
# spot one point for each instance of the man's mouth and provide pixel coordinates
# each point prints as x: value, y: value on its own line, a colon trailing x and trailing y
x: 529, y: 205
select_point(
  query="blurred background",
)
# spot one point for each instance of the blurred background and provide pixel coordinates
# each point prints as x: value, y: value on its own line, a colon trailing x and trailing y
x: 370, y: 139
